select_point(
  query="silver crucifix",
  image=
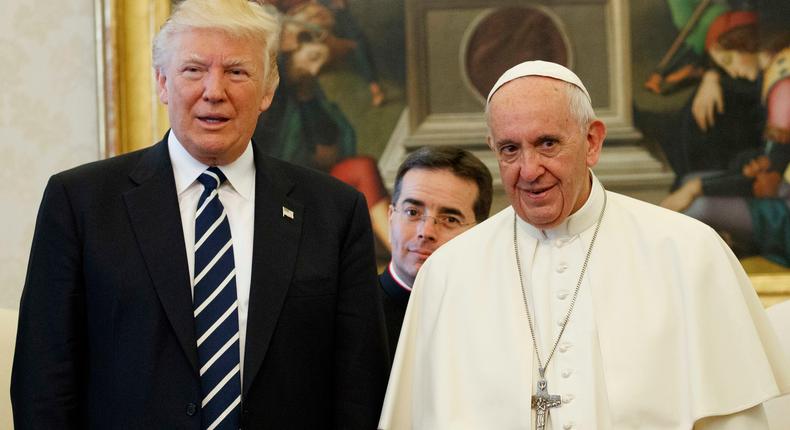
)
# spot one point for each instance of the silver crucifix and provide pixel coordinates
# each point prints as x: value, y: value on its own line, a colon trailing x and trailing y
x: 542, y: 401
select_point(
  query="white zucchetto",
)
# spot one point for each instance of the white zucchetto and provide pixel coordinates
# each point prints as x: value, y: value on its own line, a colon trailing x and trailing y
x: 538, y: 68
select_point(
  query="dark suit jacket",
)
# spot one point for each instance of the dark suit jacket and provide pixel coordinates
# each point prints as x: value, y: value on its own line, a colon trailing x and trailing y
x: 106, y: 337
x: 394, y: 300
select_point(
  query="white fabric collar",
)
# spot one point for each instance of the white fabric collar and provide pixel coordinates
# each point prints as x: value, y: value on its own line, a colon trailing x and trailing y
x: 577, y: 222
x: 396, y: 278
x: 186, y: 169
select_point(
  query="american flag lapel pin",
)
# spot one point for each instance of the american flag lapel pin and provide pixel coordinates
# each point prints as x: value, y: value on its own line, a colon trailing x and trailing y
x: 288, y: 213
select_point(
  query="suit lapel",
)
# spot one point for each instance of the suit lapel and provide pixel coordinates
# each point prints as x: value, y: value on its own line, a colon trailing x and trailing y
x: 156, y: 220
x: 275, y: 247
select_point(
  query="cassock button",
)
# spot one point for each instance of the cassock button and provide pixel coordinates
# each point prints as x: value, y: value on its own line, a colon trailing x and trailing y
x: 560, y: 321
x: 562, y: 268
x: 191, y: 409
x: 565, y: 346
x: 567, y: 398
x: 568, y: 425
x: 559, y: 243
x: 567, y: 373
x: 562, y: 294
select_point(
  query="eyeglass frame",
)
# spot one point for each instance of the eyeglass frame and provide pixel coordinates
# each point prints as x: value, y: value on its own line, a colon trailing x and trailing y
x: 436, y: 219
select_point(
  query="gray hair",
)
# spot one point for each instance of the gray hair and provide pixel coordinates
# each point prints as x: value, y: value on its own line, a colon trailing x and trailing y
x: 238, y: 18
x: 578, y: 104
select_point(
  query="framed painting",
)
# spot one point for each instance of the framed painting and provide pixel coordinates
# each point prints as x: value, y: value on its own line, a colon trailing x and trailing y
x: 367, y: 81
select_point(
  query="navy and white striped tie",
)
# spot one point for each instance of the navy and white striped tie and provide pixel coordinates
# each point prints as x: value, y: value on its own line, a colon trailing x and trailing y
x: 216, y: 309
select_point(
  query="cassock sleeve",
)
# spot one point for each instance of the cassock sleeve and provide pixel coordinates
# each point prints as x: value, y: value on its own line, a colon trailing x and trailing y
x: 50, y: 355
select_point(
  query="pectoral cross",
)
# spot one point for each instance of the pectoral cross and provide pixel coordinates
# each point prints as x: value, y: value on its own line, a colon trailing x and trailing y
x: 542, y: 401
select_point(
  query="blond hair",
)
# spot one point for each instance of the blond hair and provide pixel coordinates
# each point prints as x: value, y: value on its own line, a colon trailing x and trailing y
x: 237, y: 18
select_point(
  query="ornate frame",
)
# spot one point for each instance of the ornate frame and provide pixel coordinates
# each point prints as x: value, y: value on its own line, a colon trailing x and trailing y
x: 130, y: 115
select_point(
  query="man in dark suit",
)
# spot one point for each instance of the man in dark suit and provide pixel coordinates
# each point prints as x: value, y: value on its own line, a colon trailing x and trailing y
x: 199, y: 284
x: 440, y: 192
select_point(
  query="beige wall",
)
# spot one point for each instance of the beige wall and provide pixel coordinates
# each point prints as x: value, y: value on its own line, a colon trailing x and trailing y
x: 48, y: 116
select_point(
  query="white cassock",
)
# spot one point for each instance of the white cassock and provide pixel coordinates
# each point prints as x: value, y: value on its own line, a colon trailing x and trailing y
x: 667, y: 329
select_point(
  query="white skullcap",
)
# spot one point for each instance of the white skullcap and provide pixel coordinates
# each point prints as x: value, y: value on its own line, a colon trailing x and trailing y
x: 538, y: 68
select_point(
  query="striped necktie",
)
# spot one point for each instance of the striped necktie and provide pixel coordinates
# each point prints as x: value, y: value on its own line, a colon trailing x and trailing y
x: 216, y: 309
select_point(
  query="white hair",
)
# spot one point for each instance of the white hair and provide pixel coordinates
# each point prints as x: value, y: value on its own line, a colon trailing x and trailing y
x: 579, y: 106
x: 238, y: 18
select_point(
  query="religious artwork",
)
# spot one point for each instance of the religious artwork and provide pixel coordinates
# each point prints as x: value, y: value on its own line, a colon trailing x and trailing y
x: 726, y: 138
x: 333, y: 108
x: 364, y: 82
x: 349, y: 73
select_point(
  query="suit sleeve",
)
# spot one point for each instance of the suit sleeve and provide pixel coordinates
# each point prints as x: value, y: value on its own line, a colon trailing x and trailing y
x: 48, y: 380
x: 361, y: 361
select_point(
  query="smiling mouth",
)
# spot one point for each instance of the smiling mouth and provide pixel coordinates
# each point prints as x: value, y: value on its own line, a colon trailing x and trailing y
x: 422, y: 252
x: 213, y: 119
x: 537, y: 192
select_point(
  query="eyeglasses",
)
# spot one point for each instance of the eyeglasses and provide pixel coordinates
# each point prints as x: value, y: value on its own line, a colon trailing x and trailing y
x: 415, y: 214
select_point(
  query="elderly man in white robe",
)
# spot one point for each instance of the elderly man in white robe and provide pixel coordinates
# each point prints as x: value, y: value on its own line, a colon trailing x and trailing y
x: 577, y: 307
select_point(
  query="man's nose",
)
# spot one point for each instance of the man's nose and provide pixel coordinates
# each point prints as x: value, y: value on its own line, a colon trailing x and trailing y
x: 214, y: 86
x: 530, y: 166
x: 427, y: 228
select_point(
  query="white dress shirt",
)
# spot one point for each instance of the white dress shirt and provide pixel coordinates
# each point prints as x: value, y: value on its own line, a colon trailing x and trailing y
x: 237, y: 195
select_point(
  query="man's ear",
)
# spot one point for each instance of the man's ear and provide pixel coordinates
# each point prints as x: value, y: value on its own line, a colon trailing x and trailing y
x: 596, y: 133
x: 161, y: 87
x: 266, y: 101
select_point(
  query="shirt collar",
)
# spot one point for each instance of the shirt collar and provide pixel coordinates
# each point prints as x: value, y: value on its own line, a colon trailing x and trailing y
x: 397, y: 278
x: 578, y: 222
x: 186, y: 169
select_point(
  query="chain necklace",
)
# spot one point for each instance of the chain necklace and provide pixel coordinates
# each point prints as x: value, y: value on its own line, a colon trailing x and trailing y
x: 542, y: 401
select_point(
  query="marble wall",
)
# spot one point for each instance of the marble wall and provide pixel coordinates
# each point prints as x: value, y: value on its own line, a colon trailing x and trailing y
x: 48, y: 116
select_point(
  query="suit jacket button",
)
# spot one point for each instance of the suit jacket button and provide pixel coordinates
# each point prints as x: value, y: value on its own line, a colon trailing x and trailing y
x: 191, y: 409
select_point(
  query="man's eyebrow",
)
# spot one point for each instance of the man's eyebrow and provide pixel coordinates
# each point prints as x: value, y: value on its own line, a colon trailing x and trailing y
x: 444, y: 210
x: 545, y: 137
x: 235, y: 62
x: 414, y: 202
x: 450, y: 211
x: 194, y: 58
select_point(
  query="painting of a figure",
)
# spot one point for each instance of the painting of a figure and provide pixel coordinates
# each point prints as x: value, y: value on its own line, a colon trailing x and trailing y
x: 325, y: 57
x: 708, y: 77
x: 729, y: 143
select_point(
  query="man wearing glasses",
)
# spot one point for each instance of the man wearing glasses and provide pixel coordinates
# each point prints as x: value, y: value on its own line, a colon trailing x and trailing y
x: 439, y: 193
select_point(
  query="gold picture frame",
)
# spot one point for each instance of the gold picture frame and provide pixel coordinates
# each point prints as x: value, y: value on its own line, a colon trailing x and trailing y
x: 130, y: 114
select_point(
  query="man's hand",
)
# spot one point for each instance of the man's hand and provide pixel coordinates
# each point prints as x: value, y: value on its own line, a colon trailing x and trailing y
x: 708, y: 100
